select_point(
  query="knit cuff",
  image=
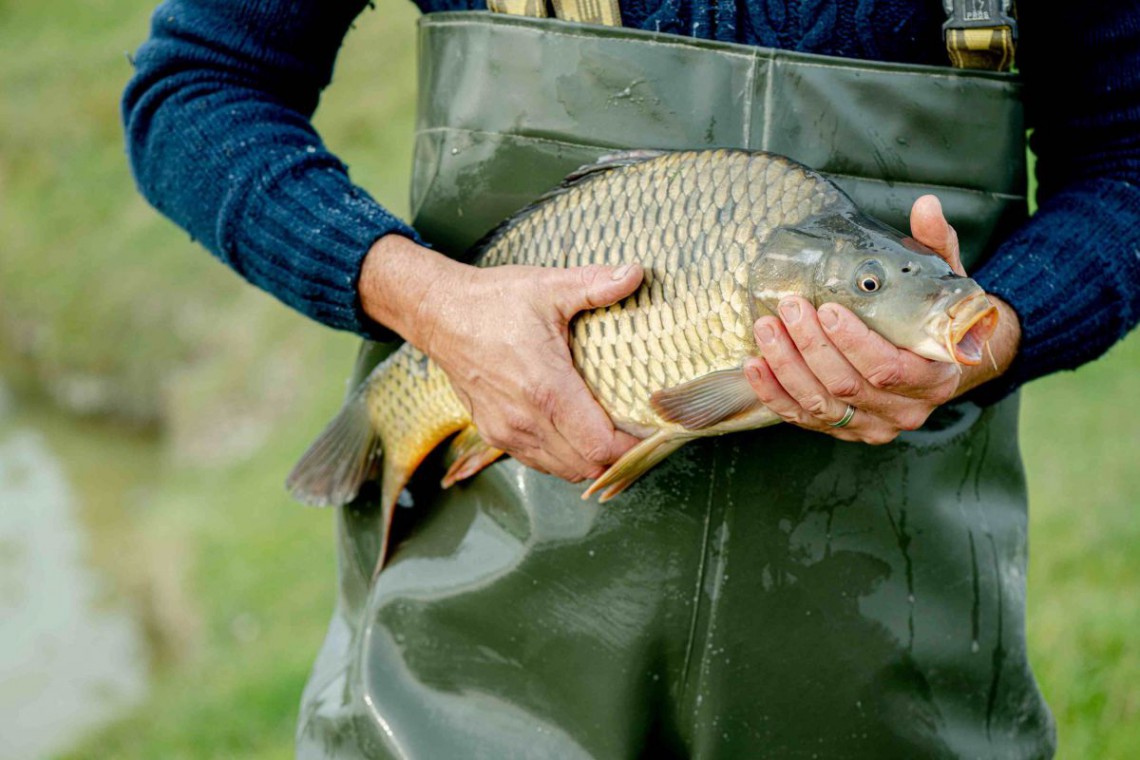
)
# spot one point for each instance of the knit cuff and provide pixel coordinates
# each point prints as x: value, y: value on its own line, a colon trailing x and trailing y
x: 304, y: 238
x: 1072, y: 274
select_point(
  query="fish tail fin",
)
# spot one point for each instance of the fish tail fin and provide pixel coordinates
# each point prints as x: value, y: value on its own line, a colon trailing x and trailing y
x: 467, y: 455
x: 635, y: 463
x: 336, y: 465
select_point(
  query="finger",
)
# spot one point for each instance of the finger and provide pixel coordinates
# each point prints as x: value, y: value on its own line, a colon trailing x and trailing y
x: 768, y: 389
x: 863, y: 427
x: 882, y: 364
x: 833, y: 370
x: 585, y: 425
x: 527, y: 433
x: 553, y: 454
x: 580, y: 288
x: 559, y: 458
x: 788, y: 365
x: 826, y: 362
x: 929, y: 226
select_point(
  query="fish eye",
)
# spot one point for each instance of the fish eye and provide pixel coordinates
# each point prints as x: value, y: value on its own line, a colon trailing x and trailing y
x: 870, y: 277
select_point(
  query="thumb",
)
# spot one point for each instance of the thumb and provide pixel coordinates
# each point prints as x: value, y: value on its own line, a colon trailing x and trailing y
x: 929, y: 227
x: 593, y: 287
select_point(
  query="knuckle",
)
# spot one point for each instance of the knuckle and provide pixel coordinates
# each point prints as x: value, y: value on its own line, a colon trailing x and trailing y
x: 886, y: 376
x: 943, y: 394
x: 597, y: 452
x: 778, y: 359
x: 912, y: 419
x: 519, y: 425
x: 587, y: 276
x: 845, y: 387
x: 801, y: 419
x: 879, y: 437
x: 816, y: 405
x: 803, y: 339
x: 542, y: 396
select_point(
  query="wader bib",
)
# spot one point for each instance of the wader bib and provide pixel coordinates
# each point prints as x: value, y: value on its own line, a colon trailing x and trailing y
x: 771, y: 594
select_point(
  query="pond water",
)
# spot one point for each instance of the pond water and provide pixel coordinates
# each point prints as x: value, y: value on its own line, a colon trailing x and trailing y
x: 71, y: 655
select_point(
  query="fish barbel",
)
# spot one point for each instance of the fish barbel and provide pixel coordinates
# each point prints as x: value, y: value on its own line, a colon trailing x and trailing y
x: 722, y: 236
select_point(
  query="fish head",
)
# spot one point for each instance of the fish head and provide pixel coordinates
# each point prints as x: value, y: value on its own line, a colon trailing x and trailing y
x: 900, y: 288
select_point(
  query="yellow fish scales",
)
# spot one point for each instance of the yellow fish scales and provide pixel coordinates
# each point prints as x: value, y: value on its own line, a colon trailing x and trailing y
x: 665, y: 363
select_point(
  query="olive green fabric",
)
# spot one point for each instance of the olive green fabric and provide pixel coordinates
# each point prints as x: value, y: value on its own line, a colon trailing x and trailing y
x: 776, y: 594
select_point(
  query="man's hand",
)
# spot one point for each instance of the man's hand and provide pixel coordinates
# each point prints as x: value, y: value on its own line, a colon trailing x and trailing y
x: 816, y: 363
x: 501, y: 335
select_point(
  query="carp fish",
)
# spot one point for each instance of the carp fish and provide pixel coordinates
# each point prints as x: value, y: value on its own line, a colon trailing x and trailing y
x: 722, y: 236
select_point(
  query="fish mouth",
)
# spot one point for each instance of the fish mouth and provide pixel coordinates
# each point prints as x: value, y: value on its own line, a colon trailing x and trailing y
x: 973, y: 322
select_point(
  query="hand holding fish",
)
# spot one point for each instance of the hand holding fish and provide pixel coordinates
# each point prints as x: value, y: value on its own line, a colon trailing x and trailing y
x: 623, y: 305
x: 816, y: 363
x: 501, y: 336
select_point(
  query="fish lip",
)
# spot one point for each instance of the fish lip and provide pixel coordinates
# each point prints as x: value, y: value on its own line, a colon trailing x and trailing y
x: 973, y: 322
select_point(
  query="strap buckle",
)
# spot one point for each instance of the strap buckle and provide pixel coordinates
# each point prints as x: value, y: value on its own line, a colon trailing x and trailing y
x: 980, y: 34
x: 604, y: 12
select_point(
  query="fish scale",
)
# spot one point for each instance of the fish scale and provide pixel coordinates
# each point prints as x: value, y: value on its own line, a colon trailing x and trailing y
x: 700, y: 303
x: 665, y: 363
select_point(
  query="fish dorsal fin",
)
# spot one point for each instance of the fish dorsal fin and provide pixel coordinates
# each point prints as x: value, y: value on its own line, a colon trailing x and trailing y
x: 582, y: 174
x: 608, y: 162
x: 707, y: 400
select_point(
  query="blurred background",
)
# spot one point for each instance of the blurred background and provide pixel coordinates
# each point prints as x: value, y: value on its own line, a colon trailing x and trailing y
x: 160, y: 596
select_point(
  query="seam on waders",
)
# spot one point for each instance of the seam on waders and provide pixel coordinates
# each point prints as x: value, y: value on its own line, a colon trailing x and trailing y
x: 769, y: 86
x: 700, y: 580
x: 749, y: 84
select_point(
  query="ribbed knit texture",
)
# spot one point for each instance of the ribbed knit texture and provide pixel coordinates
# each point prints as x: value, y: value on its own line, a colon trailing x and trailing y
x: 218, y: 132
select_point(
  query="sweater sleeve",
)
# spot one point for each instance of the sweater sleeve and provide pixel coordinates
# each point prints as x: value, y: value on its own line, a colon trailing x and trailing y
x: 1072, y: 272
x: 219, y: 138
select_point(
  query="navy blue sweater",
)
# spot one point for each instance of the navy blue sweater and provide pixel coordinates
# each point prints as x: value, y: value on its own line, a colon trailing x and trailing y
x: 218, y: 131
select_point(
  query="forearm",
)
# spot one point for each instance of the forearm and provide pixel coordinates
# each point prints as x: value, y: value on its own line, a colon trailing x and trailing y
x: 396, y: 282
x: 1072, y: 274
x: 218, y: 132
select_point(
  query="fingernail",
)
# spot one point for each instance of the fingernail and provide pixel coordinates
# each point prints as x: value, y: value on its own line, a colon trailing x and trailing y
x: 752, y: 372
x: 829, y: 318
x: 620, y: 272
x: 790, y: 311
x: 765, y: 334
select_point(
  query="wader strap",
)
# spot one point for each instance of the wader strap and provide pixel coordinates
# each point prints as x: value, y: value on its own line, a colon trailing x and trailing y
x: 980, y: 34
x: 602, y: 12
x: 532, y: 8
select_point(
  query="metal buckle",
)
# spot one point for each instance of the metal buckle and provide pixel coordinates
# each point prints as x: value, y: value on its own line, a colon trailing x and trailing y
x: 980, y: 34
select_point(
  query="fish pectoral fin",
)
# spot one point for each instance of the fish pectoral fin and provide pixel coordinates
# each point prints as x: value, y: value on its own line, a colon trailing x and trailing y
x: 635, y: 463
x: 336, y: 465
x: 707, y: 400
x: 467, y: 455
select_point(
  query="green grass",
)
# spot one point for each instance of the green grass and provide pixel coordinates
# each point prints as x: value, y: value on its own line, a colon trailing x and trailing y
x: 107, y: 309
